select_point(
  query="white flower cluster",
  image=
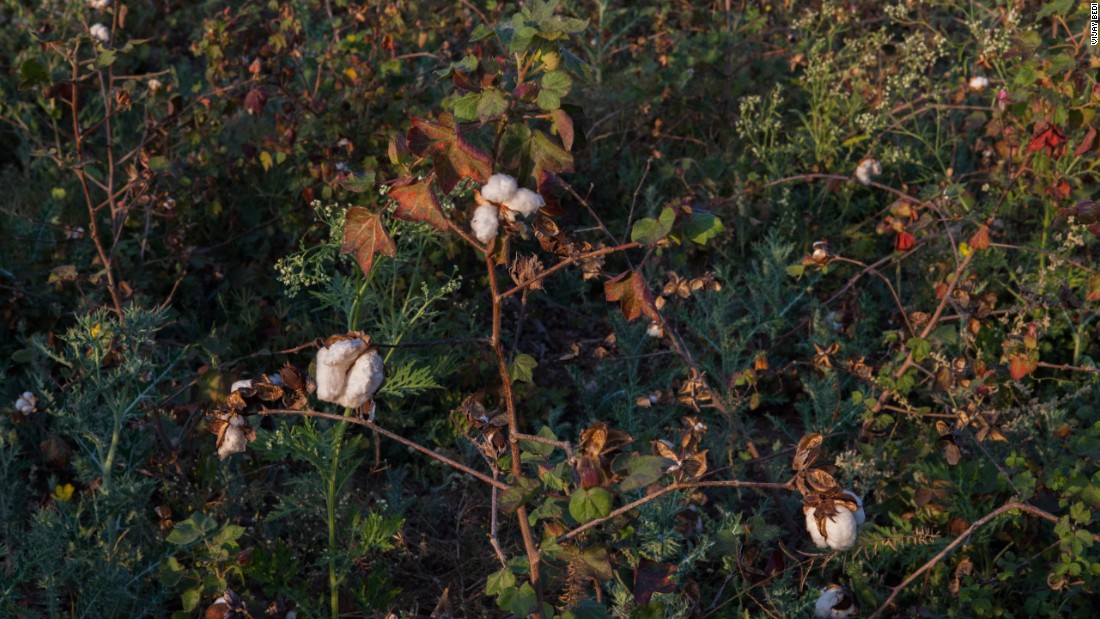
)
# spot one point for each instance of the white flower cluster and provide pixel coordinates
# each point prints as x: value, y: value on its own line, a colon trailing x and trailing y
x: 868, y: 169
x: 501, y: 197
x: 26, y: 403
x: 100, y: 33
x: 348, y: 372
x: 841, y: 528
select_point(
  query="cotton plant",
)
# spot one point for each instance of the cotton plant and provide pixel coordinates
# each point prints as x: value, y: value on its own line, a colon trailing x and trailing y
x: 501, y: 197
x: 833, y: 515
x: 349, y: 371
x: 978, y: 83
x: 100, y: 33
x: 26, y: 403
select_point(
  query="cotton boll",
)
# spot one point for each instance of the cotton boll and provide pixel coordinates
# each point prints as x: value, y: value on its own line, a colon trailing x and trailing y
x: 234, y: 441
x: 100, y: 32
x: 860, y: 515
x: 840, y: 529
x: 485, y: 222
x: 241, y: 384
x: 363, y: 380
x: 99, y: 5
x: 654, y: 330
x: 835, y: 602
x: 525, y: 202
x: 499, y: 188
x: 867, y: 169
x: 333, y: 362
x: 978, y: 83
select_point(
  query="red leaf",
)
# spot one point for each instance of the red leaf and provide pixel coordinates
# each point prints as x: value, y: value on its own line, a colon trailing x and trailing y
x: 1020, y: 366
x: 417, y: 202
x: 634, y: 297
x: 904, y: 241
x: 1086, y: 144
x: 1049, y: 138
x: 365, y: 236
x: 564, y: 126
x: 453, y: 157
x: 254, y: 101
x: 650, y: 578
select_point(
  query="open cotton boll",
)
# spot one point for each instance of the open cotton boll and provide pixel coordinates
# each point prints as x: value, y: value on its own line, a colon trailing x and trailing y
x: 333, y: 362
x: 363, y: 380
x: 485, y: 222
x: 978, y: 83
x: 499, y: 188
x: 840, y: 529
x: 233, y: 442
x: 525, y: 202
x: 241, y: 384
x: 100, y: 32
x: 835, y: 602
x: 99, y: 5
x: 868, y: 169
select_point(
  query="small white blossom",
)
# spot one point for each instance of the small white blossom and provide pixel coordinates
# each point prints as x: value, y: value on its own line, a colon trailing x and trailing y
x: 99, y: 5
x: 867, y: 169
x: 363, y: 380
x: 499, y: 188
x: 978, y: 83
x: 485, y: 222
x: 525, y: 202
x: 835, y: 602
x: 333, y: 362
x: 100, y: 32
x: 840, y: 529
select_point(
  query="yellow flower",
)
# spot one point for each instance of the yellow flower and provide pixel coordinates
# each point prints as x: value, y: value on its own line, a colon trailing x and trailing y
x: 62, y: 493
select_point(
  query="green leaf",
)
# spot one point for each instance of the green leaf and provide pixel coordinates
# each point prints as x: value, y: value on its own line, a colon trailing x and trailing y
x: 32, y: 73
x: 521, y: 39
x: 554, y: 86
x: 499, y: 581
x: 589, y: 504
x: 541, y: 449
x: 649, y: 231
x: 522, y: 368
x: 170, y: 573
x: 796, y: 270
x: 465, y: 108
x: 266, y: 161
x: 702, y: 226
x: 519, y: 601
x: 159, y: 163
x: 191, y: 598
x: 106, y: 58
x: 480, y: 33
x: 643, y: 471
x: 491, y: 104
x: 1058, y: 7
x: 358, y: 183
x: 920, y: 347
x: 229, y: 533
x: 520, y: 492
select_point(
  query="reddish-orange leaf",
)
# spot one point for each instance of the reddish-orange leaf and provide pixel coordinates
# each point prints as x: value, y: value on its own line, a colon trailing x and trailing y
x: 417, y: 202
x: 650, y: 578
x: 634, y: 297
x: 904, y: 241
x: 981, y: 239
x: 1094, y: 288
x: 1049, y: 138
x: 1086, y: 144
x: 453, y: 157
x: 564, y: 126
x: 1020, y: 366
x: 365, y: 236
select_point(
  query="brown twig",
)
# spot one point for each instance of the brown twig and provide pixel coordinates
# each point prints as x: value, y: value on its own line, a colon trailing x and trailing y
x: 1035, y: 511
x: 565, y: 263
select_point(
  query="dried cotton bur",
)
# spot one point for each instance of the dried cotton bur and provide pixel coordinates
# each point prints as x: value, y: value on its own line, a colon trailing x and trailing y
x: 349, y: 370
x: 833, y: 515
x: 289, y: 387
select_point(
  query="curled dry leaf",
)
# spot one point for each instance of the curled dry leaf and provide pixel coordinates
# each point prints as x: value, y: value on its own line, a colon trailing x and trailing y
x: 807, y: 451
x: 821, y: 481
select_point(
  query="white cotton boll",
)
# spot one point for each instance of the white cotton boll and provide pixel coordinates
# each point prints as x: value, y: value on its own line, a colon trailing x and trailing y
x: 233, y: 442
x: 363, y: 380
x: 860, y: 515
x: 832, y: 597
x: 840, y: 529
x: 978, y: 83
x: 155, y: 85
x: 499, y: 188
x: 525, y: 202
x: 99, y: 5
x: 241, y: 384
x: 100, y: 32
x: 867, y: 169
x: 654, y: 329
x: 28, y: 396
x: 333, y: 362
x: 485, y: 222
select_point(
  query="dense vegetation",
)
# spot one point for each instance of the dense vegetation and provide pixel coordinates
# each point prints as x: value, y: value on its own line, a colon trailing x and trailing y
x: 786, y: 261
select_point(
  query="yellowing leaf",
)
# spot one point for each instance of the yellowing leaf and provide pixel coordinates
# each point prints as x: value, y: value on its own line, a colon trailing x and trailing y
x: 364, y: 237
